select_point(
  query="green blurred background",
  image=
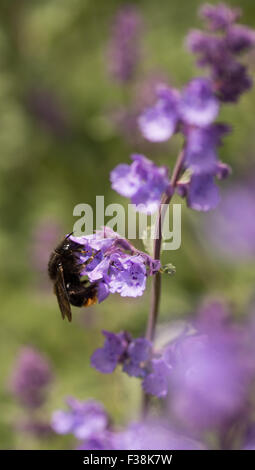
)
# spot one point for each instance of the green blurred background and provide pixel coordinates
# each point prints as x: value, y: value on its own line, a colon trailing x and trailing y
x: 53, y: 55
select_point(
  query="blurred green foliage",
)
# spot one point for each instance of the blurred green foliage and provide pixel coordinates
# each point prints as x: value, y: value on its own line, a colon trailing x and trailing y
x: 57, y: 48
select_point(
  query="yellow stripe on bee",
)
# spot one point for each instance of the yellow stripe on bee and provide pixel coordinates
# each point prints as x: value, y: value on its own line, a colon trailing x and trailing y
x: 90, y: 302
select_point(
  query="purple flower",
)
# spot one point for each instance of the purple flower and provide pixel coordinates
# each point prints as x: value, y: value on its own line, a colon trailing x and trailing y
x: 240, y: 39
x: 154, y: 435
x: 210, y: 378
x: 213, y: 316
x: 123, y: 54
x: 231, y: 229
x: 120, y: 348
x: 219, y: 16
x: 210, y: 49
x: 199, y: 105
x: 203, y: 193
x: 127, y: 276
x: 84, y: 419
x: 157, y: 381
x: 158, y: 123
x: 249, y: 440
x: 107, y: 262
x: 142, y: 181
x: 101, y: 441
x: 231, y: 80
x: 138, y: 354
x: 106, y: 359
x: 220, y: 52
x: 36, y: 427
x: 89, y: 422
x: 200, y: 152
x: 31, y: 377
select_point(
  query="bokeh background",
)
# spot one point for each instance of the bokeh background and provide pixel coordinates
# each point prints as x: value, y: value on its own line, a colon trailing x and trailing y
x: 64, y: 124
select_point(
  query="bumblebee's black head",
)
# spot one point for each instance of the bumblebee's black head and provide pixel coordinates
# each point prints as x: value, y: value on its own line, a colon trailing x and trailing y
x: 66, y: 246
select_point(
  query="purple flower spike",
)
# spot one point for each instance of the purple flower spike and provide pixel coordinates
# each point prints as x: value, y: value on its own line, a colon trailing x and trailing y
x: 159, y: 122
x: 31, y: 377
x: 83, y: 419
x: 142, y: 181
x: 203, y: 193
x: 106, y: 359
x: 219, y: 16
x: 139, y: 353
x: 157, y: 382
x: 220, y: 51
x: 124, y: 51
x: 199, y: 105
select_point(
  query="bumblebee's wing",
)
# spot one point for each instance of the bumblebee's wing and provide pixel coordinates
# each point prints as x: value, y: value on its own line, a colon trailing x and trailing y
x: 62, y: 296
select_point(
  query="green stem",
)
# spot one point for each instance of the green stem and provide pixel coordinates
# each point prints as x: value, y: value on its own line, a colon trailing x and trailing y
x: 156, y: 281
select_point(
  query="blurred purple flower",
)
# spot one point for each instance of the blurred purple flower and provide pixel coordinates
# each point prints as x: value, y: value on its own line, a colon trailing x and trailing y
x: 240, y: 39
x: 48, y: 111
x: 36, y: 427
x: 120, y: 348
x: 229, y: 77
x: 154, y: 435
x: 211, y: 375
x: 201, y: 148
x: 231, y: 229
x: 138, y: 354
x: 231, y: 80
x: 84, y: 419
x: 89, y: 422
x: 158, y: 123
x: 142, y: 181
x: 101, y: 441
x: 198, y: 105
x: 210, y: 49
x: 203, y: 193
x: 157, y: 381
x: 249, y: 439
x: 106, y: 359
x: 31, y: 376
x: 124, y: 47
x: 213, y: 315
x: 144, y: 94
x: 219, y: 16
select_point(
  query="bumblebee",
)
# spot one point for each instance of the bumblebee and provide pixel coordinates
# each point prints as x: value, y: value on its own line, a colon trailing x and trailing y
x: 64, y: 271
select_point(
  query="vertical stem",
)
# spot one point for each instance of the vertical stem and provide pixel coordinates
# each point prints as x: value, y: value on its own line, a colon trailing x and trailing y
x: 156, y: 281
